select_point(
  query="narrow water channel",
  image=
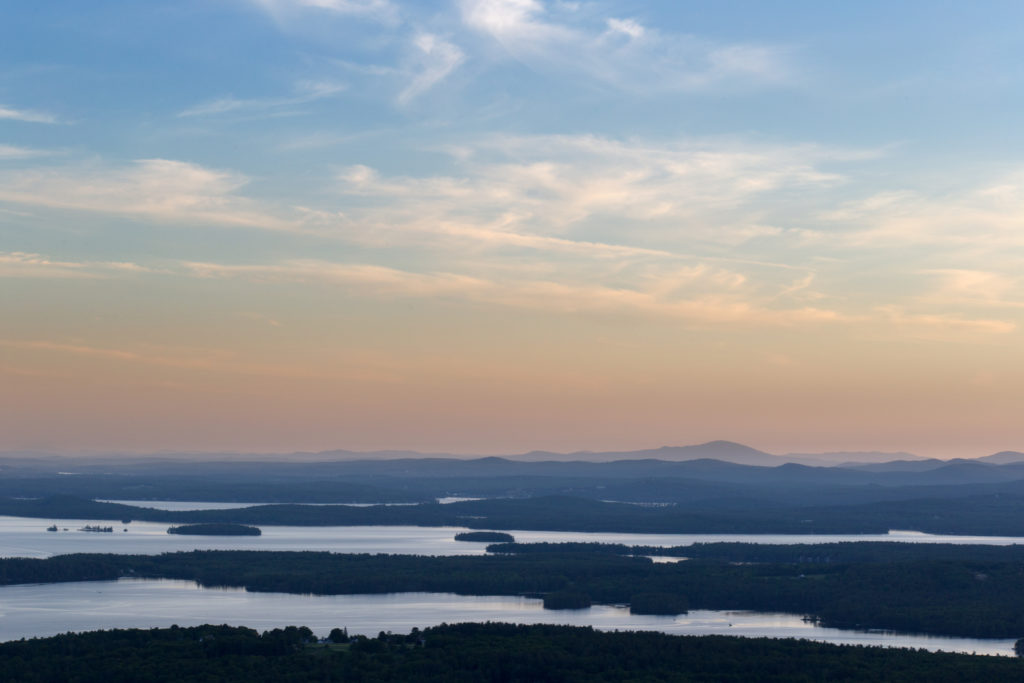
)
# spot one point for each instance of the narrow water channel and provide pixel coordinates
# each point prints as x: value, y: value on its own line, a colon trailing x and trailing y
x: 47, y: 609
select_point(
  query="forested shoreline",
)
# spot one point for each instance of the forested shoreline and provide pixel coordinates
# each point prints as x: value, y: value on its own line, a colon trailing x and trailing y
x: 795, y: 553
x: 214, y: 529
x: 473, y: 652
x: 979, y: 515
x: 957, y: 595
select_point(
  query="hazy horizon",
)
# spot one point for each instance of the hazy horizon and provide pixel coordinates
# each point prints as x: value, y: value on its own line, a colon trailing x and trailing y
x: 897, y: 455
x: 494, y: 226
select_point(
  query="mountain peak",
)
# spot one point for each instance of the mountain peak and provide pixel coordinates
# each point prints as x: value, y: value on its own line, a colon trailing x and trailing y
x: 1003, y: 457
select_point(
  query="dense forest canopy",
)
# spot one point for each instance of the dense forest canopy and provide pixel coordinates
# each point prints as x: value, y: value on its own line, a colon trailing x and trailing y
x: 473, y: 652
x: 948, y: 593
x: 978, y: 515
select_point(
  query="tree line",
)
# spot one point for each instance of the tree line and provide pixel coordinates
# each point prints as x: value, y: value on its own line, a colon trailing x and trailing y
x: 472, y: 652
x: 982, y: 515
x: 968, y: 597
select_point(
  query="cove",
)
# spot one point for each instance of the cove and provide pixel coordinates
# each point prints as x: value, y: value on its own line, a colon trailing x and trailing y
x: 27, y: 537
x: 37, y: 610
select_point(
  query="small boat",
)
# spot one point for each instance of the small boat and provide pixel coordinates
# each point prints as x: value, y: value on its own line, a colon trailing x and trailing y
x: 52, y: 528
x: 103, y: 529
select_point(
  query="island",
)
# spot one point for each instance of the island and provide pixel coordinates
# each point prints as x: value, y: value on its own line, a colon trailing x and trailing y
x: 485, y: 537
x: 566, y: 599
x: 215, y: 530
x: 668, y: 604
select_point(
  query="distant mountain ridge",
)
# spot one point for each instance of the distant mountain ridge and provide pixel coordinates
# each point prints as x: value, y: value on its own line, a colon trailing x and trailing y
x: 720, y: 450
x: 1003, y: 458
x: 850, y: 458
x: 725, y: 451
x: 721, y: 475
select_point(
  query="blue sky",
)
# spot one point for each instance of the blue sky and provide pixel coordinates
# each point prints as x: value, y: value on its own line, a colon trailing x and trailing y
x: 488, y: 225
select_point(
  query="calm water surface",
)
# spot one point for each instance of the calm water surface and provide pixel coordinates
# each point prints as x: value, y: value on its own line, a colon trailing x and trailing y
x: 44, y: 610
x: 27, y: 537
x: 41, y: 610
x: 209, y: 505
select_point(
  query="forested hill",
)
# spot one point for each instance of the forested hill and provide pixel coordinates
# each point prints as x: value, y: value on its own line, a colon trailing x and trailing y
x: 698, y: 484
x: 481, y: 653
x: 958, y: 592
x: 1001, y: 515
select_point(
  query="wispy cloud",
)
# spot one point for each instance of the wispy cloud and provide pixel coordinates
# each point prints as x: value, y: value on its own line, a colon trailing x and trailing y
x: 161, y: 189
x: 26, y: 265
x: 673, y: 229
x: 978, y: 287
x: 970, y: 229
x: 26, y: 115
x: 627, y: 27
x: 374, y: 10
x: 649, y: 197
x: 13, y: 152
x: 78, y: 349
x: 186, y: 358
x: 945, y: 321
x: 620, y: 51
x: 518, y: 24
x: 435, y: 59
x: 362, y: 365
x: 615, y: 50
x: 700, y: 294
x: 306, y: 91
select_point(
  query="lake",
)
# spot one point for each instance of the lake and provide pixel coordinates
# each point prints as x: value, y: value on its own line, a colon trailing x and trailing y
x: 27, y: 537
x: 48, y: 609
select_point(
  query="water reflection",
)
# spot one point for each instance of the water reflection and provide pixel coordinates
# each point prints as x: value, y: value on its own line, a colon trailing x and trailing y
x: 179, y: 505
x: 27, y: 537
x: 42, y: 610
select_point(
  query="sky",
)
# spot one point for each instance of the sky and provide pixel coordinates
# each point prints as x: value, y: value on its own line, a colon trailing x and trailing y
x: 492, y: 226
